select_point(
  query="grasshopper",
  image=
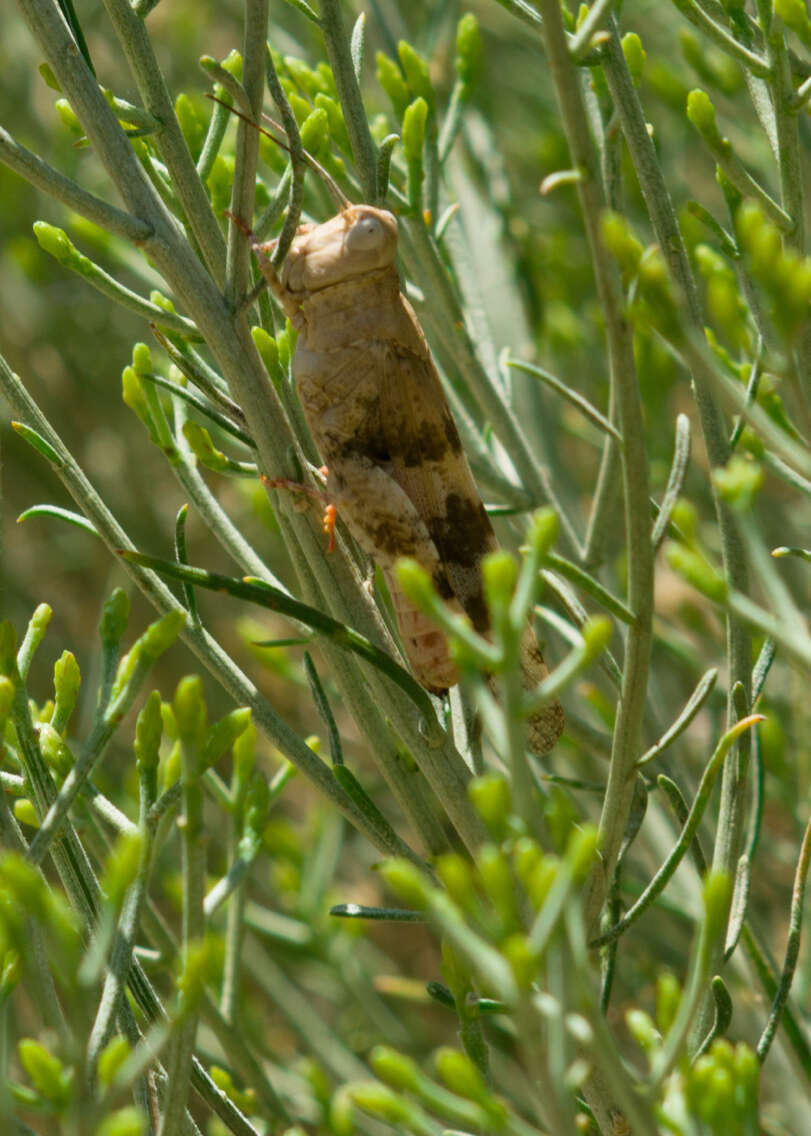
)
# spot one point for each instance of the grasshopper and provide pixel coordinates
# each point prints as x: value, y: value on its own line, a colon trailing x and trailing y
x: 374, y: 403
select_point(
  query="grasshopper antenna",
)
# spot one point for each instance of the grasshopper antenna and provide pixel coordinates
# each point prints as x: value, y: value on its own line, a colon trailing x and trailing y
x: 338, y: 195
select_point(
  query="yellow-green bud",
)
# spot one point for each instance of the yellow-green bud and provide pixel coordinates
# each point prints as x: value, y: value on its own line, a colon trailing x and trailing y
x: 468, y: 51
x: 25, y: 812
x: 697, y: 571
x: 541, y: 879
x: 189, y: 709
x: 342, y: 1112
x: 141, y: 358
x: 191, y: 122
x: 55, y: 241
x: 524, y: 962
x: 391, y: 80
x: 68, y: 116
x: 134, y: 397
x: 406, y: 881
x: 460, y: 1074
x: 67, y: 680
x: 382, y: 1102
x: 114, y: 617
x: 668, y: 997
x: 46, y: 1072
x: 738, y: 482
x: 701, y: 113
x: 148, y: 731
x: 7, y: 689
x: 497, y: 880
x: 245, y: 753
x: 286, y: 342
x: 395, y: 1069
x: 315, y: 130
x: 335, y: 117
x: 161, y: 634
x: 202, y: 446
x: 127, y: 1121
x: 635, y: 56
x: 309, y: 81
x: 642, y: 1029
x: 499, y: 573
x: 582, y: 850
x: 526, y: 857
x: 416, y: 73
x: 414, y: 121
x: 543, y: 531
x: 121, y: 867
x: 233, y: 63
x: 456, y: 874
x: 224, y: 733
x: 415, y: 583
x: 794, y: 15
x: 112, y: 1057
x: 490, y: 796
x: 55, y: 750
x: 717, y: 895
x: 621, y: 243
x: 596, y: 632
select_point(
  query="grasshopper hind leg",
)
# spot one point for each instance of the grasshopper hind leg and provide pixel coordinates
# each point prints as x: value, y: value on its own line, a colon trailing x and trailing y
x: 386, y: 525
x: 545, y: 727
x: 426, y: 646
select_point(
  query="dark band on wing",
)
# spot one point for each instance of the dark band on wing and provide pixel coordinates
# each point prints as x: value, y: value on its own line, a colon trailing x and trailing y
x: 431, y: 441
x: 463, y: 536
x: 464, y: 533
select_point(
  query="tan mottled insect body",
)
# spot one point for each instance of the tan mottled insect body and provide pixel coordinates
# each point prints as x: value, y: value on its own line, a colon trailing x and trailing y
x: 374, y: 403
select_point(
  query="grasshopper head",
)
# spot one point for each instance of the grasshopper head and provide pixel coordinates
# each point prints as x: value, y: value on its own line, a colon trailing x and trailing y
x: 358, y: 240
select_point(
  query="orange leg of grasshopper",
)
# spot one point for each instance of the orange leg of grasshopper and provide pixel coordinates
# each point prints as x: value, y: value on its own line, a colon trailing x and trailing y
x: 330, y: 516
x: 330, y: 510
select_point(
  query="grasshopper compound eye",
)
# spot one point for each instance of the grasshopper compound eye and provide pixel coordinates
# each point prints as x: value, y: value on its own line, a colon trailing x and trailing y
x: 366, y: 233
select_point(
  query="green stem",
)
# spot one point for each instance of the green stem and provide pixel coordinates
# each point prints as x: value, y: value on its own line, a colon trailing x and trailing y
x: 217, y: 127
x: 758, y: 955
x: 238, y: 254
x: 792, y: 948
x: 592, y: 587
x: 193, y: 863
x: 669, y: 238
x: 339, y: 53
x: 211, y: 511
x: 64, y: 189
x: 627, y: 731
x: 665, y: 873
x: 135, y: 42
x: 298, y: 166
x: 701, y: 19
x: 743, y: 181
x: 128, y: 924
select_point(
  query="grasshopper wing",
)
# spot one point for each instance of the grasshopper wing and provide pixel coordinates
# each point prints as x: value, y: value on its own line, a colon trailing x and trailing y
x: 428, y: 462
